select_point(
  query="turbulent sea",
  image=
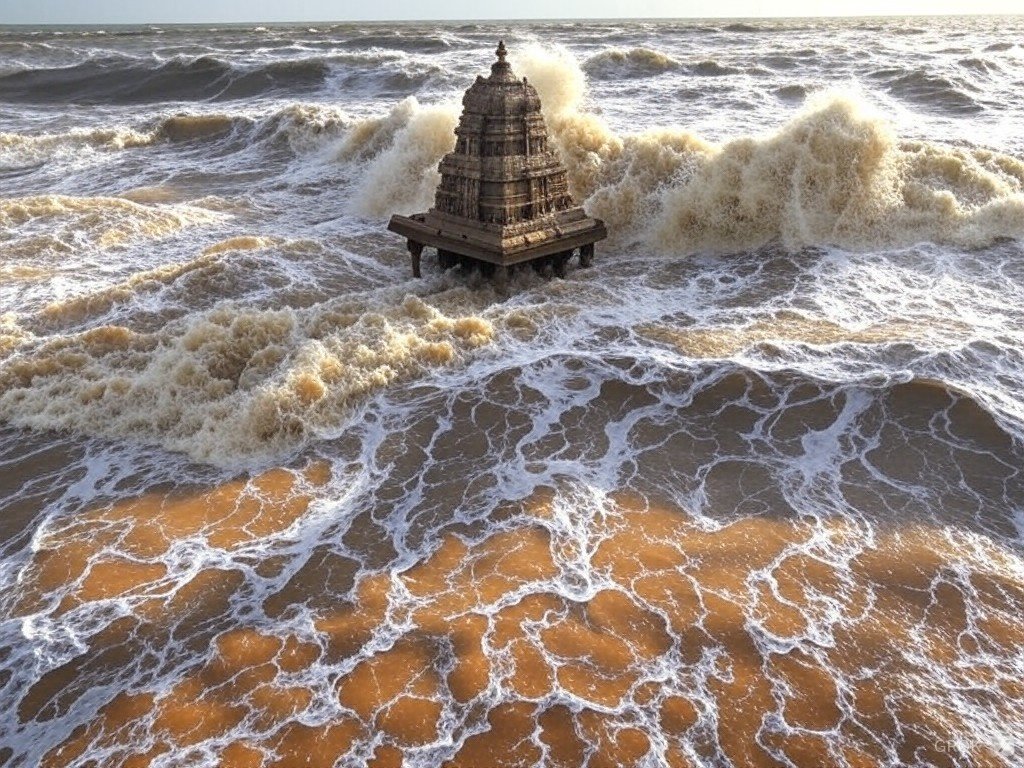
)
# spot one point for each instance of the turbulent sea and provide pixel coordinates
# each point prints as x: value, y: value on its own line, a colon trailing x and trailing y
x: 749, y: 491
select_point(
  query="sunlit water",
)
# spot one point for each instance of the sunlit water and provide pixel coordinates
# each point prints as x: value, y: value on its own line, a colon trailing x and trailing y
x: 747, y: 492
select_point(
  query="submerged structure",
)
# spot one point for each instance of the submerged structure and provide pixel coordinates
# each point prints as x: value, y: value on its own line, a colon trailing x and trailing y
x: 504, y: 196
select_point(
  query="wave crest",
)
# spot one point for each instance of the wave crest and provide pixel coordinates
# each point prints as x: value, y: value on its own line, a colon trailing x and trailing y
x: 837, y: 175
x: 125, y: 80
x: 18, y: 150
x: 630, y: 62
x: 929, y: 89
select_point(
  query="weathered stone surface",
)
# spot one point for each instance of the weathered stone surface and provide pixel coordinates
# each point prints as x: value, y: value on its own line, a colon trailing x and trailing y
x: 504, y: 195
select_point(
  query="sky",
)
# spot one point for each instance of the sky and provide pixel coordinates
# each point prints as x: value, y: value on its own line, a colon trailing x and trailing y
x: 198, y: 11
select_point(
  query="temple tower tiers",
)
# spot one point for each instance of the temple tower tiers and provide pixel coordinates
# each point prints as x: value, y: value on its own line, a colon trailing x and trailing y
x: 504, y: 194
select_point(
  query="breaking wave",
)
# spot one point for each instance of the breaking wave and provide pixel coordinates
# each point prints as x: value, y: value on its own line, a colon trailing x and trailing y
x: 836, y: 174
x: 233, y: 384
x: 300, y: 126
x: 59, y: 224
x: 17, y: 150
x: 400, y: 152
x: 207, y: 273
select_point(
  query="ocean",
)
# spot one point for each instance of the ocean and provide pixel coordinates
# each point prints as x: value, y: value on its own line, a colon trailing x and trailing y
x: 747, y: 492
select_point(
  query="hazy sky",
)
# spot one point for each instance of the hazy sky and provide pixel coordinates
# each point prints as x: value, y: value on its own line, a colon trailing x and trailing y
x: 140, y: 11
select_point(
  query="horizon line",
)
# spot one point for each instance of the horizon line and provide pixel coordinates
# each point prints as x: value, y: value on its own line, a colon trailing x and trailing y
x: 515, y: 20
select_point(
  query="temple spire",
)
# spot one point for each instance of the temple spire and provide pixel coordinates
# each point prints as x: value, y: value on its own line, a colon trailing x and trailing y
x: 501, y: 70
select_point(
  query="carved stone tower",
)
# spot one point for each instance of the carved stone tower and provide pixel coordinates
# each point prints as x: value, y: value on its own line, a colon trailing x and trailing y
x: 504, y: 196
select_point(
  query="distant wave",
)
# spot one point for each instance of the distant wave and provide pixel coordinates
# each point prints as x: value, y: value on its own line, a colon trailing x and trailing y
x: 296, y: 126
x: 791, y: 93
x: 928, y: 89
x: 402, y: 41
x: 741, y: 27
x: 401, y: 80
x: 980, y: 65
x: 713, y: 69
x: 629, y: 62
x: 121, y: 80
x: 790, y: 60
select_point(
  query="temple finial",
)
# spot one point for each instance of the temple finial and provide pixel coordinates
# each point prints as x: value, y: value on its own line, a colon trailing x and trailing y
x: 501, y: 51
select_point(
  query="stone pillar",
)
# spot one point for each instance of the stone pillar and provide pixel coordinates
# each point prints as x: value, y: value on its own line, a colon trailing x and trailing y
x: 415, y: 250
x: 501, y: 277
x: 586, y: 255
x: 560, y: 262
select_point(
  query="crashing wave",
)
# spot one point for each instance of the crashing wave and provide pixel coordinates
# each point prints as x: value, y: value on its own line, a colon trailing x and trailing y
x: 836, y: 174
x: 236, y: 384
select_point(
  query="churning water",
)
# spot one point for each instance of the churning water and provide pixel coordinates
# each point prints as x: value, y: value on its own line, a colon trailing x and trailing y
x: 748, y: 492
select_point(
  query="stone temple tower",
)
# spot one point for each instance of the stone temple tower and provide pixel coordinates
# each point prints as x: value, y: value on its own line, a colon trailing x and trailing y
x: 504, y: 195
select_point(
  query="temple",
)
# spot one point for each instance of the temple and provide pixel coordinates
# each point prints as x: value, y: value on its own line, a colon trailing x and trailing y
x: 504, y: 196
